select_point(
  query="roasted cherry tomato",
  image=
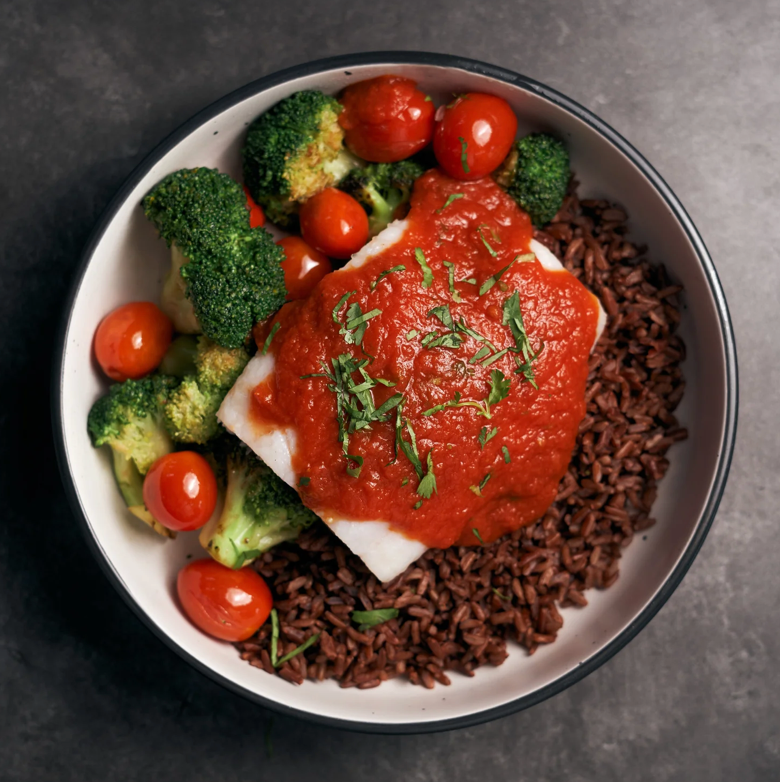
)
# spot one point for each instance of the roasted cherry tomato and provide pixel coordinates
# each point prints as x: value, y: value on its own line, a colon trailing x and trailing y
x: 256, y: 214
x: 334, y: 223
x: 474, y: 135
x: 131, y: 341
x: 229, y: 604
x: 386, y: 119
x: 180, y: 491
x: 303, y: 267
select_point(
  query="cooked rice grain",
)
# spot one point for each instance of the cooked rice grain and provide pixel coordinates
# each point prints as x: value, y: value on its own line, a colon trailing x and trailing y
x: 458, y: 607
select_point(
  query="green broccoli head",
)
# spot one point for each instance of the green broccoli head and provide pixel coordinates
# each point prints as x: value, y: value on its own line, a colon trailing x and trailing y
x: 536, y: 174
x: 381, y: 188
x: 191, y: 409
x: 130, y: 420
x: 225, y: 276
x: 293, y: 151
x: 260, y: 511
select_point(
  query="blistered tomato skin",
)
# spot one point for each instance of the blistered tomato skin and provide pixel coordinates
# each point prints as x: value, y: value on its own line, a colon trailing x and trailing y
x: 303, y: 267
x: 386, y: 119
x: 180, y: 491
x: 227, y: 604
x: 474, y: 135
x: 334, y: 223
x: 130, y: 342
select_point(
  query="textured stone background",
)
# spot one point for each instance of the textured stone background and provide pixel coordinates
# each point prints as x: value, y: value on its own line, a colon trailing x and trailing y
x: 86, y: 89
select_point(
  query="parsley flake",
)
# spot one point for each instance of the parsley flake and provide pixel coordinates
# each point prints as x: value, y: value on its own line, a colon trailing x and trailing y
x: 410, y: 335
x: 513, y: 317
x: 428, y: 484
x: 304, y: 481
x: 451, y: 282
x: 385, y: 273
x: 486, y: 435
x: 477, y: 535
x: 463, y: 155
x: 368, y: 619
x: 427, y: 274
x: 507, y: 457
x: 493, y: 253
x: 450, y: 198
x: 267, y: 343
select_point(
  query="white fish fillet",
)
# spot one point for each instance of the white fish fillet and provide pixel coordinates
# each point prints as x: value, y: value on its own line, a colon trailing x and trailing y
x: 386, y: 553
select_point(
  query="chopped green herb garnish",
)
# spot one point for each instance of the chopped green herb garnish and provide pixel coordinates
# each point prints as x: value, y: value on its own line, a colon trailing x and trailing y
x: 477, y: 535
x: 486, y: 435
x: 411, y: 334
x: 427, y: 274
x: 470, y: 280
x: 451, y: 281
x: 267, y: 343
x: 417, y: 505
x: 492, y: 252
x: 304, y: 481
x: 399, y: 268
x: 298, y: 649
x: 434, y: 340
x: 450, y: 198
x: 409, y: 448
x: 443, y: 406
x: 428, y: 483
x: 355, y: 408
x: 463, y: 155
x: 369, y: 619
x: 428, y: 98
x: 491, y: 281
x: 513, y: 318
x: 499, y: 390
x: 243, y: 556
x: 354, y: 465
x: 342, y: 302
x: 274, y: 637
x: 476, y: 490
x: 444, y: 315
x: 360, y: 319
x: 484, y: 481
x: 507, y: 457
x: 405, y: 481
x: 480, y: 354
x: 501, y: 595
x: 501, y: 353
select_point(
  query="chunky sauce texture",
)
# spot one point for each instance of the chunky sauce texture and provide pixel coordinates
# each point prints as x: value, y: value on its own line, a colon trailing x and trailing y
x: 480, y: 233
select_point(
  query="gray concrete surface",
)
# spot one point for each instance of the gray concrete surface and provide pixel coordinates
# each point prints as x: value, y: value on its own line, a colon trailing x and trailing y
x: 86, y: 89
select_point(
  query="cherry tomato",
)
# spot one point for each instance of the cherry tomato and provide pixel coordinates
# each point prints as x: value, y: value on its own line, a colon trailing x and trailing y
x: 303, y: 267
x: 334, y: 223
x: 131, y: 341
x: 256, y: 214
x: 474, y: 135
x: 386, y: 119
x: 180, y: 491
x: 231, y: 605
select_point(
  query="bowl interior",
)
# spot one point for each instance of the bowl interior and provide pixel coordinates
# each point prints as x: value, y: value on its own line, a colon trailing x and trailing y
x: 128, y: 263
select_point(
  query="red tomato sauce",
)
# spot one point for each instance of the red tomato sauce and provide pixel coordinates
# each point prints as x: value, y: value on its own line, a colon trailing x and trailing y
x: 537, y: 426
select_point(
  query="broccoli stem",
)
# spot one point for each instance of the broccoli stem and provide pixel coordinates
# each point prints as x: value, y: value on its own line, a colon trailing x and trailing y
x: 174, y: 302
x: 131, y: 486
x: 233, y: 537
x: 179, y: 359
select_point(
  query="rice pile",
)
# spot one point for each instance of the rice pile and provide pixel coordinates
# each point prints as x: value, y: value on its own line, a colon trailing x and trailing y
x: 458, y: 607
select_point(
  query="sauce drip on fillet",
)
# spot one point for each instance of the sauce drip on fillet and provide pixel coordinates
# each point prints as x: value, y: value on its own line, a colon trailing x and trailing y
x: 493, y: 425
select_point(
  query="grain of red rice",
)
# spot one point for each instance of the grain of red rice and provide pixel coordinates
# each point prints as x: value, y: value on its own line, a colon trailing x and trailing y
x: 458, y: 607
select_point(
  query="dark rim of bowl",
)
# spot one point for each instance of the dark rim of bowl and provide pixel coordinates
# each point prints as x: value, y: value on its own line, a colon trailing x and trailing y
x: 474, y: 66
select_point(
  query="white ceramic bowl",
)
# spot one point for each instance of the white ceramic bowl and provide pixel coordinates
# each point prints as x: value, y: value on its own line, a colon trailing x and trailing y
x: 125, y: 261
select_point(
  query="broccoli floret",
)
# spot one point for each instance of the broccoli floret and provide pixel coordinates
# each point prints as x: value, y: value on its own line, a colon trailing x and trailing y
x: 381, y: 188
x: 536, y: 174
x: 292, y: 152
x: 129, y: 419
x: 225, y: 276
x: 259, y: 511
x: 191, y: 410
